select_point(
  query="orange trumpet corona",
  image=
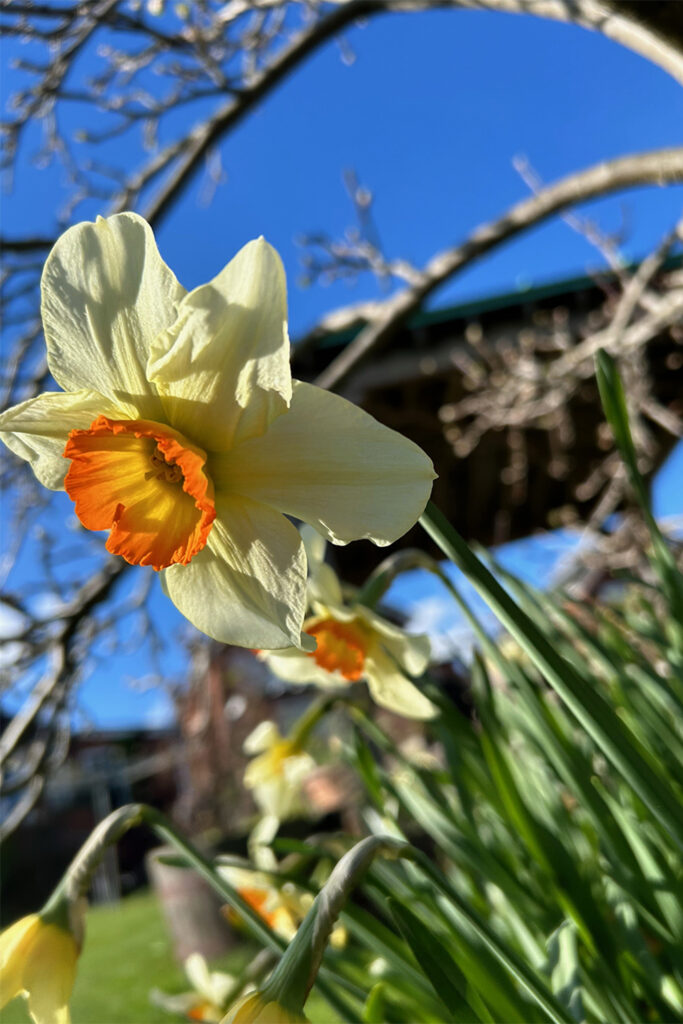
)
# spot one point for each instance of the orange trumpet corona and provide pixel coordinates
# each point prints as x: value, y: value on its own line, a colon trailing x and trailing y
x: 341, y: 647
x: 146, y: 484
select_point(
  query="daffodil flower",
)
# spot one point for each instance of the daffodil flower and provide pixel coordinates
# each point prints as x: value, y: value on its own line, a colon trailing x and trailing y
x: 255, y: 1009
x: 281, y: 908
x: 354, y: 644
x: 180, y: 431
x: 211, y: 991
x: 38, y: 957
x: 276, y: 774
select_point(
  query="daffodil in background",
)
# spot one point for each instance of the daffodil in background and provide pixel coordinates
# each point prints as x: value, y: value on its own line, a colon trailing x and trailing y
x: 277, y: 772
x: 282, y: 906
x: 211, y: 991
x: 180, y: 431
x: 354, y: 644
x: 38, y: 956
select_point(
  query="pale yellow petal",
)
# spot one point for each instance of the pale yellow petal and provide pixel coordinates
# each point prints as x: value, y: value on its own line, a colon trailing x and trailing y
x: 198, y: 975
x: 248, y: 585
x: 265, y: 735
x: 411, y: 651
x: 323, y: 583
x: 297, y: 769
x: 324, y: 586
x: 274, y: 798
x: 333, y: 466
x: 106, y: 294
x: 37, y: 430
x: 293, y: 666
x: 315, y: 547
x: 392, y: 690
x: 50, y: 974
x: 15, y: 946
x: 223, y: 366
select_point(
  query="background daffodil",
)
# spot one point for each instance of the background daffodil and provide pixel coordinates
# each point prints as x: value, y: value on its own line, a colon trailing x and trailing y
x: 281, y: 908
x: 354, y: 644
x: 212, y: 991
x: 181, y: 432
x: 277, y: 772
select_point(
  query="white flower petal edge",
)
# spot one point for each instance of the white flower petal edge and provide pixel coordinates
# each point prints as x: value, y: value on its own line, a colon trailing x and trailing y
x: 411, y: 651
x: 323, y: 583
x: 324, y: 587
x: 392, y: 690
x: 332, y: 465
x: 293, y: 666
x: 106, y: 294
x: 261, y: 738
x: 248, y: 585
x: 315, y: 546
x: 37, y: 430
x: 223, y: 367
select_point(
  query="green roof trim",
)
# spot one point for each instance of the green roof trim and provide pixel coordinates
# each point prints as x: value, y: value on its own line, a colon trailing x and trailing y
x: 476, y: 307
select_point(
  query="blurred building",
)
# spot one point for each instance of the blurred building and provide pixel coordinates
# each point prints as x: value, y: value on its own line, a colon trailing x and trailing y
x: 103, y: 770
x: 507, y: 469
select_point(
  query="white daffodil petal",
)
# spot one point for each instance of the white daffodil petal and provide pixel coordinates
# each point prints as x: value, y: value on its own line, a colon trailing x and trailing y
x: 260, y: 854
x: 37, y: 430
x: 248, y: 585
x: 390, y: 688
x: 293, y: 666
x: 198, y: 975
x: 315, y: 547
x: 324, y: 586
x: 273, y: 798
x: 223, y: 367
x: 106, y: 294
x: 261, y: 738
x: 333, y: 466
x: 411, y: 651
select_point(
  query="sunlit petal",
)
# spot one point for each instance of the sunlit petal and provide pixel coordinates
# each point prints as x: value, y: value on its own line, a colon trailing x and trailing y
x: 37, y: 430
x: 50, y: 974
x: 223, y: 366
x: 247, y: 586
x: 106, y: 294
x: 411, y: 651
x: 333, y: 466
x: 15, y: 946
x: 293, y: 666
x: 392, y: 690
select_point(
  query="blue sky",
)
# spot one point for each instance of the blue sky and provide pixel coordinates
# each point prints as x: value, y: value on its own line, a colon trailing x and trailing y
x: 430, y: 114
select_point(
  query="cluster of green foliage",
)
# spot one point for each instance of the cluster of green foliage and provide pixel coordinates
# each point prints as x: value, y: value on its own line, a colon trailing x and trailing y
x: 549, y: 879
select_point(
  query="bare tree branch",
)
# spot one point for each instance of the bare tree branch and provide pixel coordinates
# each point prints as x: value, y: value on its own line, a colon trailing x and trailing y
x: 657, y: 168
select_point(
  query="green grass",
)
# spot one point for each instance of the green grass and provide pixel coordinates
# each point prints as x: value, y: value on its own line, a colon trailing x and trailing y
x: 127, y: 952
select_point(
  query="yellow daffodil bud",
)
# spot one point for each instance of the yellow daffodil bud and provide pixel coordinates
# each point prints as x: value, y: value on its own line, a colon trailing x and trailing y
x: 38, y: 957
x: 38, y: 953
x: 255, y: 1009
